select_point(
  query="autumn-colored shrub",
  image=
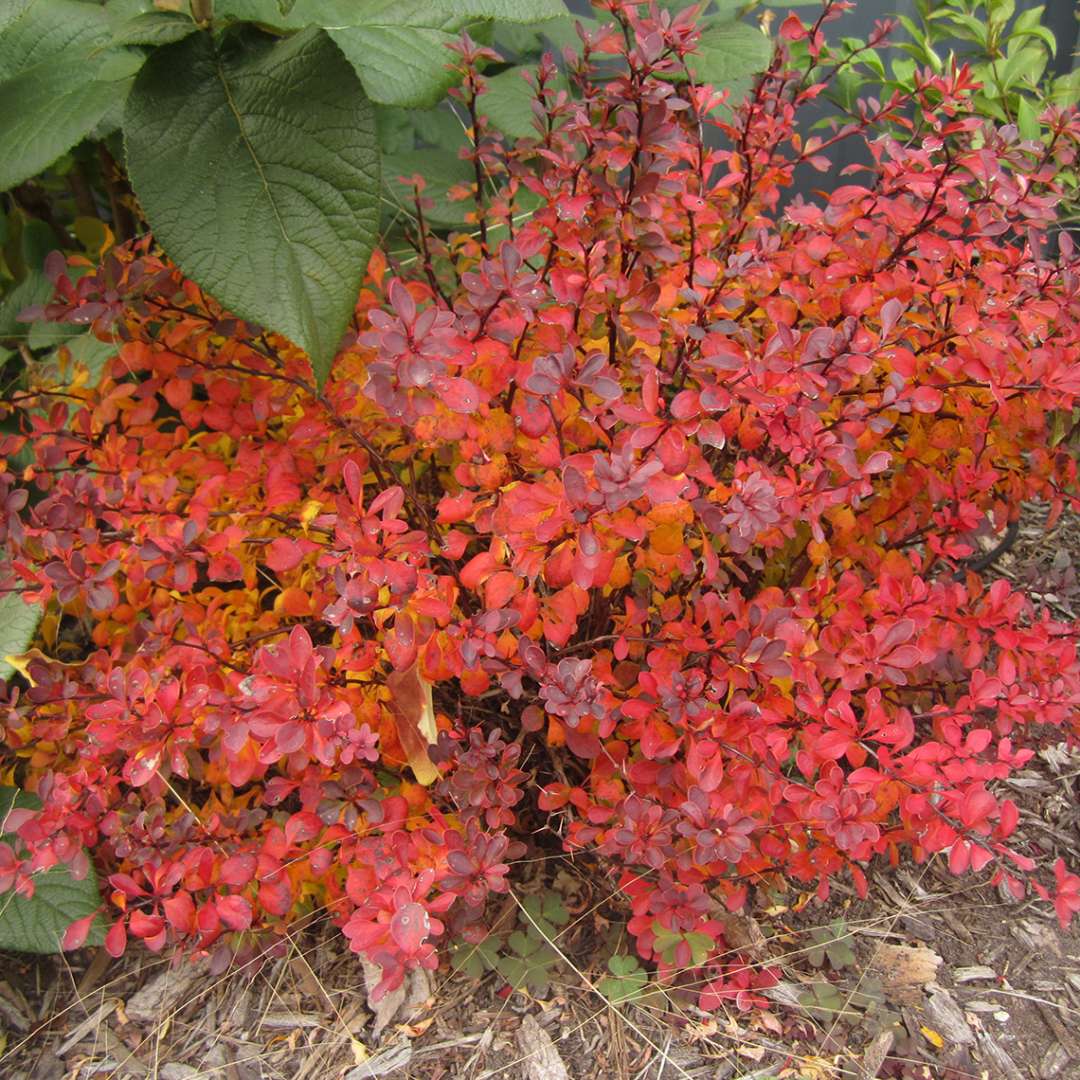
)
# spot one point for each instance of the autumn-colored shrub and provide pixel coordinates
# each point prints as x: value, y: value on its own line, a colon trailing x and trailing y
x: 644, y: 521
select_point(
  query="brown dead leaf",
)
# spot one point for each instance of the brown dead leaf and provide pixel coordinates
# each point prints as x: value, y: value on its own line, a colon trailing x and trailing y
x: 744, y: 933
x: 152, y: 1002
x: 905, y: 969
x: 414, y: 1031
x: 995, y: 1055
x: 386, y: 1008
x: 414, y: 711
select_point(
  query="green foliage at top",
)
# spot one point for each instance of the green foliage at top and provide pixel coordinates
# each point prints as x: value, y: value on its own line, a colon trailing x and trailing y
x: 272, y: 220
x: 249, y: 131
x: 1009, y: 53
x: 264, y: 139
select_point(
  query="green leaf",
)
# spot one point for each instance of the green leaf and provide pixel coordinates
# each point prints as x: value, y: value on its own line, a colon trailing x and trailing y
x: 700, y: 946
x: 92, y: 353
x: 903, y: 70
x: 1040, y: 33
x: 562, y: 32
x: 47, y: 335
x: 34, y: 289
x: 18, y: 623
x: 38, y: 924
x: 508, y: 103
x: 441, y: 170
x: 59, y: 76
x: 968, y: 28
x: 524, y: 944
x: 36, y: 242
x: 1027, y: 119
x: 1026, y: 63
x: 153, y: 28
x: 259, y: 175
x: 729, y: 55
x: 1065, y: 90
x: 554, y: 910
x: 475, y: 960
x: 626, y: 981
x: 439, y: 127
x: 402, y: 63
x: 397, y: 47
x: 514, y: 40
x: 397, y: 133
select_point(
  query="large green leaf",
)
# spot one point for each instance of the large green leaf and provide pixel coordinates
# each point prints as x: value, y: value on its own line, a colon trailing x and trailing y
x: 728, y: 55
x: 400, y: 51
x: 18, y: 621
x: 508, y: 103
x: 58, y: 77
x: 398, y: 47
x: 562, y: 32
x: 38, y: 924
x: 34, y: 289
x: 259, y: 175
x: 441, y: 170
x: 152, y: 28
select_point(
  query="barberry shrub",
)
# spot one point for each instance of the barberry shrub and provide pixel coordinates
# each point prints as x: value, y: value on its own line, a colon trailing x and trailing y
x: 643, y: 521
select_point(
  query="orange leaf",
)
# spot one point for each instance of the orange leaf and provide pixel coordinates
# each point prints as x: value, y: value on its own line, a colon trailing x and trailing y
x: 414, y: 712
x: 667, y: 539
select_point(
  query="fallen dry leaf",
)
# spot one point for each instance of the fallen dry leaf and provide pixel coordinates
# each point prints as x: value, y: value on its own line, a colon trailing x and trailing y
x: 414, y: 711
x: 151, y: 1003
x: 744, y: 933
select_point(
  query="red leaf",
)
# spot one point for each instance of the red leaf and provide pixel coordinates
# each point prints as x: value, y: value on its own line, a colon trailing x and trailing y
x: 283, y: 554
x: 76, y: 934
x: 235, y: 912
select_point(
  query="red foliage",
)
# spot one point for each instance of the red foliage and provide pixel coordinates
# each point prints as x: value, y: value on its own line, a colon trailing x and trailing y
x: 666, y: 491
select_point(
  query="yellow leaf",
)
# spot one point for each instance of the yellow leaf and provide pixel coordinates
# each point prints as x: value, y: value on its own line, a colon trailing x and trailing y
x: 932, y: 1036
x: 309, y: 512
x: 414, y: 711
x: 784, y: 684
x: 21, y: 662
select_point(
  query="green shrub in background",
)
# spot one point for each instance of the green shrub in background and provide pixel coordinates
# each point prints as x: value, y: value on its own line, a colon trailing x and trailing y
x: 1009, y: 53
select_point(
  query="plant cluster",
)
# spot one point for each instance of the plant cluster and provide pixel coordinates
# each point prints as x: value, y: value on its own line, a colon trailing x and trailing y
x: 279, y: 126
x: 641, y: 524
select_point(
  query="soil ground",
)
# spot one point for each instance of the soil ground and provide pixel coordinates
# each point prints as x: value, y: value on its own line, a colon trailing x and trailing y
x: 929, y: 978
